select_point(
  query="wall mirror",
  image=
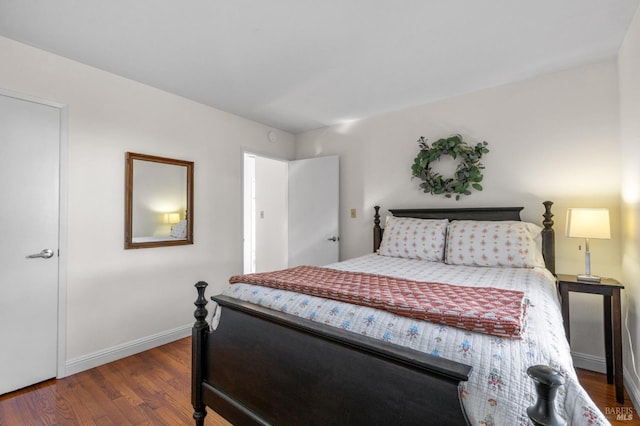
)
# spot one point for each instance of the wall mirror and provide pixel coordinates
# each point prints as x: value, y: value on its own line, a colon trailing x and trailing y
x: 158, y: 201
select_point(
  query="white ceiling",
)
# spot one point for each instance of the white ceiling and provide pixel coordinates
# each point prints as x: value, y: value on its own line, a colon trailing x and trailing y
x: 303, y: 64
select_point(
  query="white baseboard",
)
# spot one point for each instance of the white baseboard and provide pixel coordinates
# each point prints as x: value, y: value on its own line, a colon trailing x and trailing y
x: 589, y: 362
x: 598, y: 364
x: 632, y: 387
x: 86, y: 362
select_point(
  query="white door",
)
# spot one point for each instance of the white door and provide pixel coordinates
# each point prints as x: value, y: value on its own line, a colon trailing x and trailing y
x: 313, y: 211
x: 29, y: 175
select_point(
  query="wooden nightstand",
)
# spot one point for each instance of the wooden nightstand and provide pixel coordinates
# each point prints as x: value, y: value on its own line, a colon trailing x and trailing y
x: 610, y: 290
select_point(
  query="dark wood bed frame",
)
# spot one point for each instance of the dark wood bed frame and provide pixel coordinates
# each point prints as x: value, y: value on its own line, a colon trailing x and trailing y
x: 265, y: 367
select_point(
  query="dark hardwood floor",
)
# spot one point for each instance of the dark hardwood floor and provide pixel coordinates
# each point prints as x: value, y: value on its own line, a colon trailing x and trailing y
x: 150, y: 388
x: 153, y: 388
x: 604, y: 396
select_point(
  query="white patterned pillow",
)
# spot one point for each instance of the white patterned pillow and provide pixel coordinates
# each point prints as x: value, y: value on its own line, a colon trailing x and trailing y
x: 500, y: 243
x: 179, y: 230
x: 413, y: 238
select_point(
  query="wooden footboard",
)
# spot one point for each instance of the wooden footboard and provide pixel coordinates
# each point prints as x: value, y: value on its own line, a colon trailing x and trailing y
x: 265, y: 367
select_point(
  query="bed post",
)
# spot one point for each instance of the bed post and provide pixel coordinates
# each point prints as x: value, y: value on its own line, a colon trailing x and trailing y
x: 198, y: 336
x: 377, y: 231
x: 547, y: 382
x: 548, y: 239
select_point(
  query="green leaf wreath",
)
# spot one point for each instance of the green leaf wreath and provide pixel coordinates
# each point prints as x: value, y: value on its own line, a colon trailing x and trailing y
x: 468, y: 174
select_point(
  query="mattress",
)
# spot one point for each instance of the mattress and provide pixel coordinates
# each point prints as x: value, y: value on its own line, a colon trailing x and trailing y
x: 499, y: 389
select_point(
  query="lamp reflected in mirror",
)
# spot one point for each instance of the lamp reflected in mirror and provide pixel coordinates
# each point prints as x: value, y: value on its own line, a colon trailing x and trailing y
x: 158, y: 189
x: 172, y: 218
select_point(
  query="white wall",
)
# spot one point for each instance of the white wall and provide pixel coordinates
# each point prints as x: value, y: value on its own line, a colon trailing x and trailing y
x: 554, y: 137
x: 115, y: 296
x: 629, y: 69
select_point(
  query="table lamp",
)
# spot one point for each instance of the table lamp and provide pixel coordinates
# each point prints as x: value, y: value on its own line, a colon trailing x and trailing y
x: 588, y: 223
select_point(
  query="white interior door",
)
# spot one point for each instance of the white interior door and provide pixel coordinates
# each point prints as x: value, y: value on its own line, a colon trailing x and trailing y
x: 313, y: 211
x: 29, y: 172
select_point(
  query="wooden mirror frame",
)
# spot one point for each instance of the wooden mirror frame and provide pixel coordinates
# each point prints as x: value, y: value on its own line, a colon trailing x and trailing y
x: 128, y: 215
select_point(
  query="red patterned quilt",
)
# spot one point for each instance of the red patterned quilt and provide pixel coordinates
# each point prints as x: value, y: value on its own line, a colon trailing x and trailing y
x: 488, y: 310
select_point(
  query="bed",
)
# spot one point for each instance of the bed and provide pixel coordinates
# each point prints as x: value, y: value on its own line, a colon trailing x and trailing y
x: 270, y: 355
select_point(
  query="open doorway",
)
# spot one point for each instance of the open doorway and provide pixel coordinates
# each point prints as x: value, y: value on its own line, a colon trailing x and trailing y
x: 290, y: 212
x: 265, y: 213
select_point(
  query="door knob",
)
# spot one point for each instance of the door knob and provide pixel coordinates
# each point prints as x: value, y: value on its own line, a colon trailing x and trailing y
x: 44, y: 254
x: 334, y: 239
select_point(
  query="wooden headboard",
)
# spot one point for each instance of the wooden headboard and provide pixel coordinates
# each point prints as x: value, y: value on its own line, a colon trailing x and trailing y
x: 479, y: 213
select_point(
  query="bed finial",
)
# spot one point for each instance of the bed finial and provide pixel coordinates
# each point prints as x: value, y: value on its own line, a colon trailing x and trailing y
x: 548, y: 222
x: 377, y: 231
x: 547, y: 381
x: 201, y: 312
x: 549, y: 238
x: 197, y: 353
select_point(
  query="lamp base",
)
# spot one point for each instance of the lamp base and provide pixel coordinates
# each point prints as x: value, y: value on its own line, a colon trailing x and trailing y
x: 589, y: 278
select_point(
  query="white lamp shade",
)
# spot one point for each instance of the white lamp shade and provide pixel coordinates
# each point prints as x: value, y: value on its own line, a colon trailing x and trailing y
x: 588, y: 223
x: 172, y: 218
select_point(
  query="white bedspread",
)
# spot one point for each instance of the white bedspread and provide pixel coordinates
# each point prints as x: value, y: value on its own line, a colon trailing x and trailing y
x: 499, y: 390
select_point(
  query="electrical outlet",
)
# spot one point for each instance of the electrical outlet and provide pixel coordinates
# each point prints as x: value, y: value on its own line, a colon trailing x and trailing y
x: 353, y: 213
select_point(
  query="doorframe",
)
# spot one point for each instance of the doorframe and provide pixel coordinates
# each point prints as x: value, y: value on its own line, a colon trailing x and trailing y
x: 63, y: 219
